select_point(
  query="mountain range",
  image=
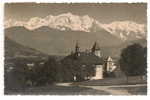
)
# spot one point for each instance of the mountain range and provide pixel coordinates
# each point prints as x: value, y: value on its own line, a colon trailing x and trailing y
x: 124, y: 30
x: 57, y: 35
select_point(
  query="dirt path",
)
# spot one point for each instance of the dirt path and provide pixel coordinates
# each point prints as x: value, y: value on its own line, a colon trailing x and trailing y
x: 64, y: 84
x: 100, y: 88
x: 109, y: 89
x: 113, y: 89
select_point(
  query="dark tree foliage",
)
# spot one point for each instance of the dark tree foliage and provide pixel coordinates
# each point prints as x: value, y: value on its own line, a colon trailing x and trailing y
x: 73, y: 67
x: 51, y: 71
x: 145, y: 60
x: 70, y: 69
x: 47, y: 73
x: 133, y: 60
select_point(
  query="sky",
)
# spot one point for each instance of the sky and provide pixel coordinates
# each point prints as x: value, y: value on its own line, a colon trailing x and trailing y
x: 105, y: 13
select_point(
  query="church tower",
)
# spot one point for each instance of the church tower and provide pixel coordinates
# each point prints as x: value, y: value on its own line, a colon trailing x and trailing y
x: 77, y: 49
x: 96, y: 50
x: 99, y: 67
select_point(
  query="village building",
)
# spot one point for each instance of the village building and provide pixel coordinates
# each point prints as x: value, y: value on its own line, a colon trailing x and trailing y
x: 110, y: 65
x: 92, y: 58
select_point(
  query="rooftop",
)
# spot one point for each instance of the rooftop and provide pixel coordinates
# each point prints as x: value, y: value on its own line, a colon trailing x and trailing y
x: 85, y: 58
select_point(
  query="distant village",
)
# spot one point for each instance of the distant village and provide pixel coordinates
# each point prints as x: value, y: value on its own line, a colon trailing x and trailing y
x: 77, y: 66
x: 104, y: 67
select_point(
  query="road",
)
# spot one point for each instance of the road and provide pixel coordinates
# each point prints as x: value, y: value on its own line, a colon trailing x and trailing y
x: 112, y: 90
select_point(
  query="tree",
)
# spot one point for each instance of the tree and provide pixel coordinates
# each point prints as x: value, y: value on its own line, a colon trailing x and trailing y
x: 145, y: 60
x: 133, y: 60
x: 73, y: 67
x: 47, y: 73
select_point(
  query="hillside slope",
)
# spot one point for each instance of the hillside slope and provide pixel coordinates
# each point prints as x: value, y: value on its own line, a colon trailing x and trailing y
x: 56, y: 42
x: 13, y: 49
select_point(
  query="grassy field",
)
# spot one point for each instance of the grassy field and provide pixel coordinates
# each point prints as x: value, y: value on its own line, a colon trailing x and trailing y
x: 80, y: 90
x: 113, y: 81
x: 56, y: 90
x: 134, y: 90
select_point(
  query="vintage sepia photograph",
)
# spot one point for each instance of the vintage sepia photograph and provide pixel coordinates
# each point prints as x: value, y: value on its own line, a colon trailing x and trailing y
x: 75, y: 48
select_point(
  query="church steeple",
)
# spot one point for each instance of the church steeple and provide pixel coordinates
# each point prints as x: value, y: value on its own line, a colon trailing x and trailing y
x: 96, y: 49
x: 77, y: 49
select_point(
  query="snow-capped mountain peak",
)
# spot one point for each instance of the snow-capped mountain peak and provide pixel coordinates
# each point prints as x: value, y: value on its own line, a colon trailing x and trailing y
x: 120, y: 29
x: 125, y: 29
x: 35, y: 23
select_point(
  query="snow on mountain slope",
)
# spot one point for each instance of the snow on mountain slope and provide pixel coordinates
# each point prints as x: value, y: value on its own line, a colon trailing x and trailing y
x: 12, y: 23
x: 124, y: 30
x: 61, y: 22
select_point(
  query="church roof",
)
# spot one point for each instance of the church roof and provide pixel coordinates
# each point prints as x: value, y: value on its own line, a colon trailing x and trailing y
x: 85, y: 59
x: 109, y: 59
